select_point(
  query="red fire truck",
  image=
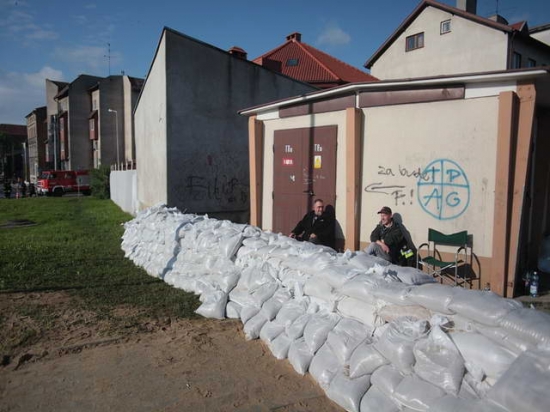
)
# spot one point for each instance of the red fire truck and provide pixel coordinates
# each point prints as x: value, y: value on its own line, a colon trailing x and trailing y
x: 59, y: 182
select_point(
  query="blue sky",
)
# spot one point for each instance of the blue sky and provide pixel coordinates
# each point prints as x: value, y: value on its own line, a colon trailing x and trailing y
x: 60, y: 39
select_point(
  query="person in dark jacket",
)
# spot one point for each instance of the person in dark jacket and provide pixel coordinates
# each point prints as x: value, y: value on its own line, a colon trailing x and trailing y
x: 316, y: 226
x: 386, y: 238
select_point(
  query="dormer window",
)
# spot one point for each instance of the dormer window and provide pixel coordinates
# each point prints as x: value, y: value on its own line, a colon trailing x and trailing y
x: 416, y: 41
x: 292, y: 62
x: 445, y: 27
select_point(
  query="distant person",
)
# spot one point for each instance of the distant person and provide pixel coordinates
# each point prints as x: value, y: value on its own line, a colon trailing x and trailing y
x: 32, y: 189
x: 17, y: 187
x: 316, y: 226
x: 386, y: 238
x: 23, y: 188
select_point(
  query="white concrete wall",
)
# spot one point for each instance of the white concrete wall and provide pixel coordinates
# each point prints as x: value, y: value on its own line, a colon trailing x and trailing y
x: 402, y: 146
x: 326, y: 119
x: 150, y: 134
x: 543, y: 36
x: 469, y: 47
x: 124, y: 190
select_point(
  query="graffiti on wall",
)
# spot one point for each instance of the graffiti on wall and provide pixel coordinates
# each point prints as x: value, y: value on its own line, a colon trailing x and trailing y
x: 216, y: 183
x: 441, y: 188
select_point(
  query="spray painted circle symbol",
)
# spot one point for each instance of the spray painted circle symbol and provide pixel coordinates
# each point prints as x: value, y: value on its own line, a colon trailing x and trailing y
x: 443, y: 190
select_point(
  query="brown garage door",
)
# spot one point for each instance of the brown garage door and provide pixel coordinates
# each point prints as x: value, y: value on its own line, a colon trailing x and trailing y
x: 304, y: 170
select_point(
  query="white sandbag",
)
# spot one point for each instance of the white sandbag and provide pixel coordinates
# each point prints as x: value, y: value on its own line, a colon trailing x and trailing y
x: 472, y: 385
x: 480, y: 351
x: 280, y: 346
x: 391, y: 312
x: 348, y: 392
x: 242, y: 296
x: 409, y: 275
x: 359, y: 310
x: 233, y: 310
x: 248, y: 312
x: 482, y: 306
x: 254, y: 243
x: 272, y: 306
x: 318, y: 288
x: 530, y: 325
x: 263, y: 292
x: 364, y: 261
x: 450, y: 403
x: 361, y: 287
x: 318, y: 328
x: 375, y: 401
x: 346, y: 336
x: 386, y: 378
x: 397, y: 342
x: 300, y: 356
x: 214, y: 305
x: 412, y: 392
x: 524, y: 386
x: 324, y: 366
x: 228, y: 280
x: 502, y: 337
x: 270, y: 331
x: 253, y: 327
x: 365, y: 360
x: 435, y: 297
x: 439, y: 362
x: 336, y: 275
x: 394, y: 292
x: 296, y: 329
x: 291, y: 310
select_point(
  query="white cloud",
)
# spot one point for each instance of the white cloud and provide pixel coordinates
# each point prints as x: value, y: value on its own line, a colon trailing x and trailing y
x: 90, y: 6
x: 332, y: 35
x: 21, y: 93
x: 87, y: 58
x: 20, y: 25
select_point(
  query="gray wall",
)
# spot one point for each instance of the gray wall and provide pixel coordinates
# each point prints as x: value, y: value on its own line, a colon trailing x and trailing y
x: 207, y: 141
x: 111, y: 97
x: 80, y: 145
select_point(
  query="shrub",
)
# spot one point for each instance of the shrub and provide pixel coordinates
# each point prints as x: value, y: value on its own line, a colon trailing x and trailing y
x: 100, y: 182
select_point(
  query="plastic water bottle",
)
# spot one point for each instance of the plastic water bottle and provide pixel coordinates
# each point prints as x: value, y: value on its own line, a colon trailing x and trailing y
x: 534, y: 286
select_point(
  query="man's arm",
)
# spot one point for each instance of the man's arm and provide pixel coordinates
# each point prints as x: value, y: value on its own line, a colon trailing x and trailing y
x: 300, y: 227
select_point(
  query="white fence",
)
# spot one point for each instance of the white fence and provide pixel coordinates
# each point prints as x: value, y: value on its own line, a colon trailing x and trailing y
x: 124, y: 190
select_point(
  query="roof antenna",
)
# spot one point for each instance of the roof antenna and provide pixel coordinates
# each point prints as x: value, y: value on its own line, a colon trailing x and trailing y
x: 108, y: 56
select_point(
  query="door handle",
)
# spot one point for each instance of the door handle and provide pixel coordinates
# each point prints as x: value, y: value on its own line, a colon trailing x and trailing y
x: 309, y: 192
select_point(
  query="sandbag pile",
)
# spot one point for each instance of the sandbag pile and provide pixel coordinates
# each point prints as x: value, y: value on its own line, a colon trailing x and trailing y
x: 376, y: 337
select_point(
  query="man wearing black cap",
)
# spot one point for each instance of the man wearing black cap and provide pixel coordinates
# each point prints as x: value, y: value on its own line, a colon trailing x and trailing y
x: 386, y: 238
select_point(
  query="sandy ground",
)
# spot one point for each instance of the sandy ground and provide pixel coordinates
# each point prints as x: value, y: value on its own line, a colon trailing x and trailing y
x: 188, y: 365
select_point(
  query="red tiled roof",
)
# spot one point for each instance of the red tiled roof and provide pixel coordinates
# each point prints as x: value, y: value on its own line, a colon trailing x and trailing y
x: 313, y: 66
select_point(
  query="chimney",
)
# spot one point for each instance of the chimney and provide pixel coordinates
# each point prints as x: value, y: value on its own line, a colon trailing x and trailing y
x: 297, y: 37
x: 469, y: 6
x: 238, y: 52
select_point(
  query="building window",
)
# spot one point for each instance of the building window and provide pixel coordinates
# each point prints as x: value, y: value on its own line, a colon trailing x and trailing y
x: 92, y: 125
x: 516, y: 60
x: 94, y: 104
x: 292, y: 62
x: 531, y: 63
x: 416, y: 41
x: 445, y: 27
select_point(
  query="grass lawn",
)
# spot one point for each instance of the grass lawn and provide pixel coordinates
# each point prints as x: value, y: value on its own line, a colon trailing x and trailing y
x: 75, y: 247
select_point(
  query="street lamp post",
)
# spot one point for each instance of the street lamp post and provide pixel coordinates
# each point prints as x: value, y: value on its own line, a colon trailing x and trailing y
x: 116, y: 123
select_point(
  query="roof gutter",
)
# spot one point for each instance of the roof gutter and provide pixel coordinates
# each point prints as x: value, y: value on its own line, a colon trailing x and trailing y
x: 373, y: 86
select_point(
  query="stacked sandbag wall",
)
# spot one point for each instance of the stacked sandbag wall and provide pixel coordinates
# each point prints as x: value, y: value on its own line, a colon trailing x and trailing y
x: 375, y: 336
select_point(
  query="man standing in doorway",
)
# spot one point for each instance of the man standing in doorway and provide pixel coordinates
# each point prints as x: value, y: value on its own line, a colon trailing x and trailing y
x: 316, y: 226
x: 386, y: 238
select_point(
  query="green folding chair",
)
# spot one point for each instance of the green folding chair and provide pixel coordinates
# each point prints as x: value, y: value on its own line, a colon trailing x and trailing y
x: 452, y: 270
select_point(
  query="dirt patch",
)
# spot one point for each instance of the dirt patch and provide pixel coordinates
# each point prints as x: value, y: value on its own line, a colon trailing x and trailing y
x: 76, y: 361
x: 17, y: 223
